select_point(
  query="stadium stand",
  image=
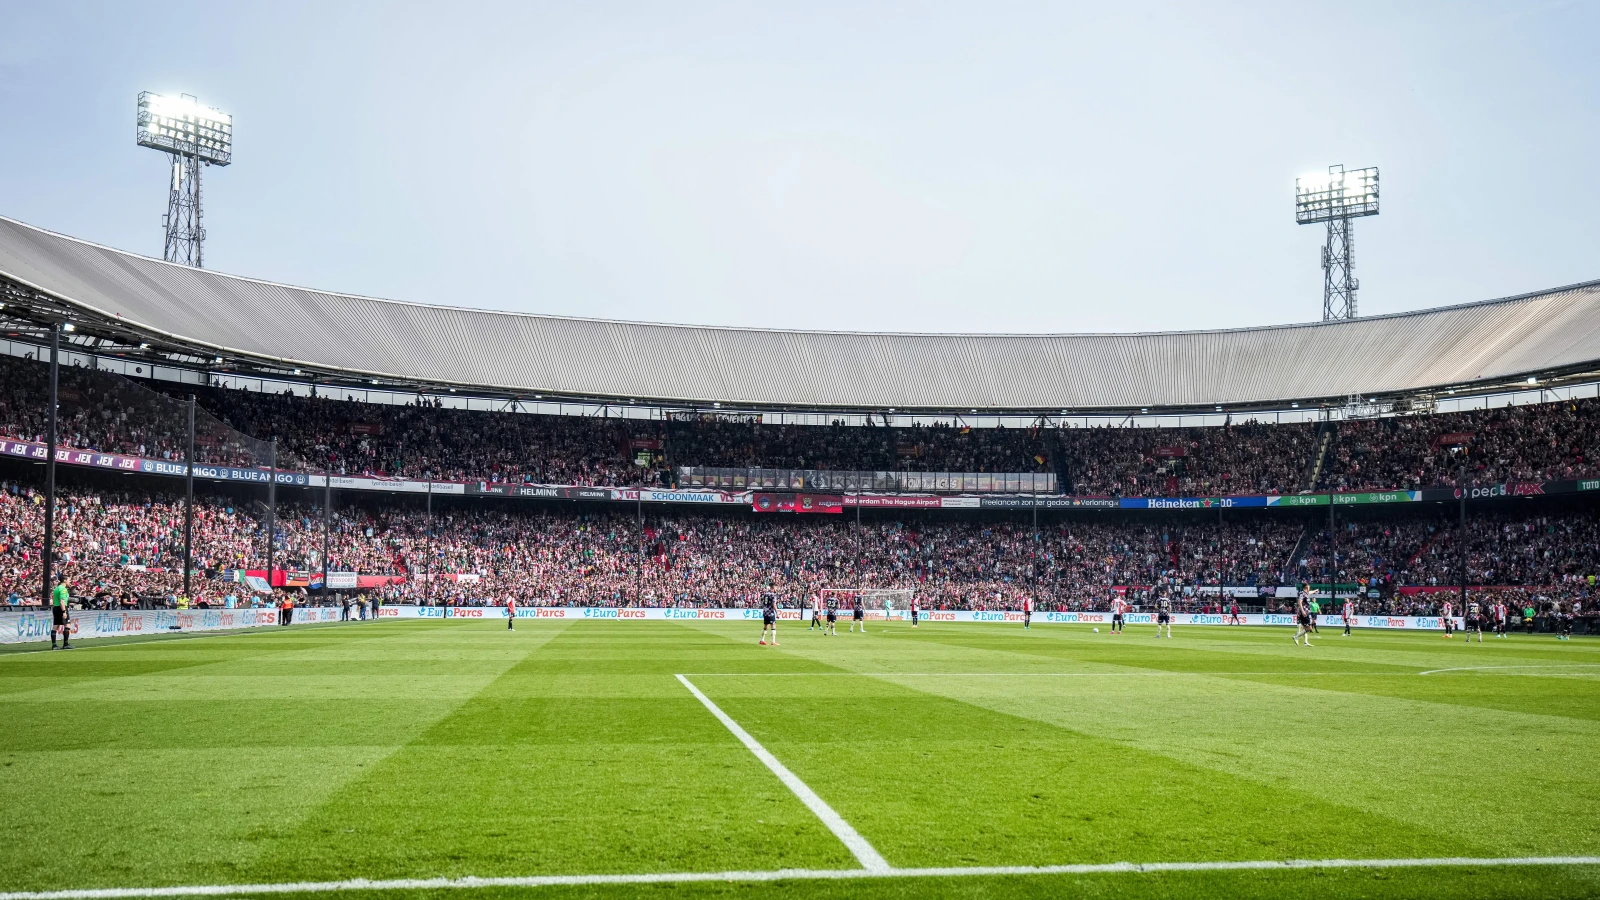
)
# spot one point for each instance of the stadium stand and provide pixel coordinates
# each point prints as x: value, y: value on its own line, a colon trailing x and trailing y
x: 1502, y: 549
x: 1542, y: 442
x: 124, y: 547
x: 1530, y: 443
x: 119, y: 542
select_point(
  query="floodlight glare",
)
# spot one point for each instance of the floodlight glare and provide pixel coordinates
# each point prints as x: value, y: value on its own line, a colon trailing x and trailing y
x: 181, y: 125
x: 1338, y: 194
x: 1334, y: 198
x: 194, y: 136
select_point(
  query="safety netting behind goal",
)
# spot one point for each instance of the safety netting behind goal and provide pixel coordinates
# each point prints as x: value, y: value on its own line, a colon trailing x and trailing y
x: 871, y: 598
x: 108, y: 413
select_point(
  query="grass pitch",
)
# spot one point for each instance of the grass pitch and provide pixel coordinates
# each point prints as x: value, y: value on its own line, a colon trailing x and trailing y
x: 425, y: 749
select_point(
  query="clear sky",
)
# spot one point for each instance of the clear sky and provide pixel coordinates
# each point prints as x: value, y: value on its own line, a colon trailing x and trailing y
x: 880, y: 166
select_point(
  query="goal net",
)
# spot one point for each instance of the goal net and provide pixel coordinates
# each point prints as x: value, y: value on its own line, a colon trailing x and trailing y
x: 872, y: 598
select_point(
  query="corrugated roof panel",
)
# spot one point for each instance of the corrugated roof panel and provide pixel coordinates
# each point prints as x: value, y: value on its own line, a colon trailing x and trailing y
x: 1492, y: 340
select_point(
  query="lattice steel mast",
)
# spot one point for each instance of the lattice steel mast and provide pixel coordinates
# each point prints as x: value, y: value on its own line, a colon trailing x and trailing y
x: 1338, y: 283
x: 1335, y: 199
x: 194, y: 137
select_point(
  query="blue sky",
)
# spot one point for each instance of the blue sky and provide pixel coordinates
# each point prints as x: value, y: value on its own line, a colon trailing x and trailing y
x: 883, y: 166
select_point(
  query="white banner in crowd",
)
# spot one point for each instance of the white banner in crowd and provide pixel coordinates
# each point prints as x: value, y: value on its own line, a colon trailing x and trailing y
x: 34, y: 624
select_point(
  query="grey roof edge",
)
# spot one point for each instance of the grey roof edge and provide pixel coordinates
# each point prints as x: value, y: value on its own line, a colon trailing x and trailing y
x: 1255, y: 396
x: 737, y: 328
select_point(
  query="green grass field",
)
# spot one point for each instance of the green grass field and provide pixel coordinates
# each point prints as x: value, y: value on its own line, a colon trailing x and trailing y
x: 443, y: 749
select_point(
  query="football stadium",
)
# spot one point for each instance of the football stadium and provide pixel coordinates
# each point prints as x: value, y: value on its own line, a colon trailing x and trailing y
x: 305, y: 592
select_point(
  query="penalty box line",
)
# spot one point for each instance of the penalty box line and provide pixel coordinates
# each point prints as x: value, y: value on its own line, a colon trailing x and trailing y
x: 865, y: 853
x: 412, y: 884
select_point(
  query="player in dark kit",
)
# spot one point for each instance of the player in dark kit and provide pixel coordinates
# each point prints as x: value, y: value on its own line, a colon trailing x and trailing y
x: 914, y: 610
x: 858, y: 614
x: 1302, y: 616
x: 769, y: 617
x: 1474, y: 621
x: 1164, y: 616
x: 833, y: 615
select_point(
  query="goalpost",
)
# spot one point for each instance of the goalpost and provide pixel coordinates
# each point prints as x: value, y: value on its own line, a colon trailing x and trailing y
x: 874, y: 599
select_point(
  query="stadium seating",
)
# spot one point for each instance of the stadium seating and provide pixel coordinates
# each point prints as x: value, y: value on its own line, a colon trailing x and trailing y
x: 1524, y: 443
x: 126, y: 546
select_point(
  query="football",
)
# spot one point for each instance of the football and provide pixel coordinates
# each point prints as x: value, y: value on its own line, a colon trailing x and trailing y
x: 1097, y: 629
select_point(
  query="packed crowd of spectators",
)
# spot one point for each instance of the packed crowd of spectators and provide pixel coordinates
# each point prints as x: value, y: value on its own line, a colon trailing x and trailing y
x: 104, y: 412
x: 1543, y: 442
x: 125, y: 548
x: 941, y: 447
x: 129, y: 543
x: 1502, y: 548
x: 101, y: 412
x: 1248, y: 458
x: 1553, y: 556
x: 704, y: 560
x: 427, y: 440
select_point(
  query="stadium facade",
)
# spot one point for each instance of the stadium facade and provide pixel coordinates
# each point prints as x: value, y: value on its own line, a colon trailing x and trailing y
x: 123, y: 304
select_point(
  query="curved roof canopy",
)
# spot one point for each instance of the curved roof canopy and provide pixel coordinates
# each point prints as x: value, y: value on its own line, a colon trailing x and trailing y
x: 276, y: 327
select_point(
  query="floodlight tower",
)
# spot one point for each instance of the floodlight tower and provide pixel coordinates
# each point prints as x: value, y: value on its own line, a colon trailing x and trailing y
x: 194, y: 137
x: 1336, y: 198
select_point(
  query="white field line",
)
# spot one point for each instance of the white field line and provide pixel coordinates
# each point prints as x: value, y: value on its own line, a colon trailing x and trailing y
x: 1484, y: 668
x: 1027, y: 674
x: 1126, y: 674
x: 864, y: 852
x: 413, y: 884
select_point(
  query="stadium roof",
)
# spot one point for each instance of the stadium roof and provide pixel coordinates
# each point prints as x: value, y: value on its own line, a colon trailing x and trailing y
x: 274, y: 328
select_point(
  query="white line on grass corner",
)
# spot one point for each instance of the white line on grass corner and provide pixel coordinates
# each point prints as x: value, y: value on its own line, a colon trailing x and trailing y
x: 413, y: 884
x: 864, y: 852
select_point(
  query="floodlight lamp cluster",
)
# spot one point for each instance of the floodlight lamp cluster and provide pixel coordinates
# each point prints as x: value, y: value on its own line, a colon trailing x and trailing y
x: 1336, y: 194
x: 181, y: 125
